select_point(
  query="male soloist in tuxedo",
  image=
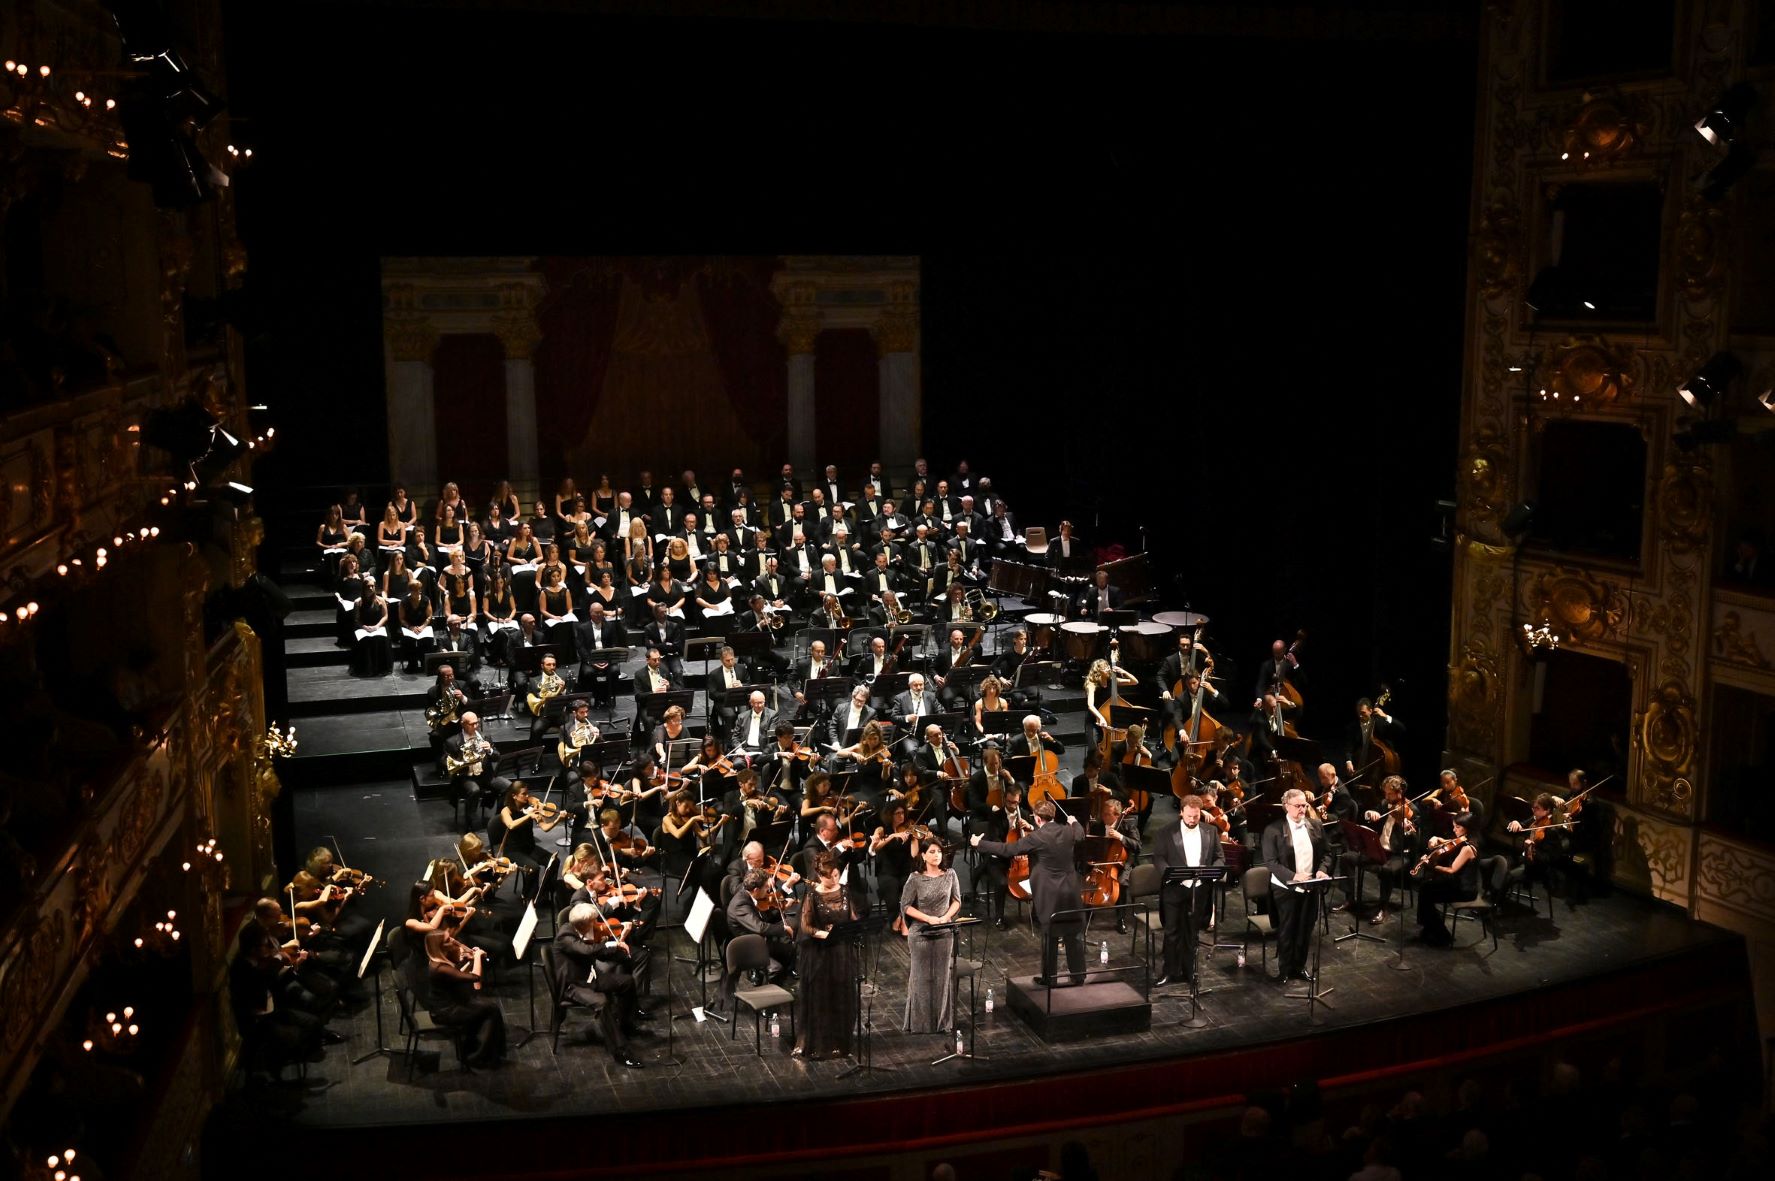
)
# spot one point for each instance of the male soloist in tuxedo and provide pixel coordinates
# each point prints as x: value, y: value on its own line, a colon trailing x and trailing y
x: 1293, y: 850
x: 1185, y: 906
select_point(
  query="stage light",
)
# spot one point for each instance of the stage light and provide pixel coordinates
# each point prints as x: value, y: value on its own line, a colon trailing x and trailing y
x: 1519, y: 519
x: 43, y: 71
x: 1722, y: 123
x: 1701, y: 390
x: 1766, y: 400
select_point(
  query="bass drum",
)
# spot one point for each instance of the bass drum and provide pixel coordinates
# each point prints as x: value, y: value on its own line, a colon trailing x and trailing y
x: 1082, y: 641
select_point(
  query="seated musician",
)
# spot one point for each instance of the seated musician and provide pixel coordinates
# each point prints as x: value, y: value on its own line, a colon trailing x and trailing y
x: 953, y: 606
x: 598, y: 633
x: 652, y: 678
x: 999, y: 823
x: 1093, y: 778
x: 593, y: 969
x: 513, y: 829
x: 814, y: 668
x: 510, y: 643
x: 848, y: 720
x: 772, y: 588
x: 669, y: 731
x: 757, y: 807
x: 913, y: 705
x: 1371, y: 725
x: 933, y: 753
x: 625, y: 841
x: 869, y: 665
x: 949, y: 576
x: 1267, y: 724
x: 1450, y: 795
x: 1400, y: 839
x: 1099, y: 598
x: 753, y: 728
x: 967, y: 551
x: 829, y: 838
x: 1541, y: 851
x: 921, y: 560
x: 724, y: 559
x: 1000, y: 536
x: 547, y: 690
x: 481, y: 866
x: 1445, y: 878
x: 1122, y: 824
x: 468, y: 761
x: 957, y: 653
x: 643, y: 793
x: 1007, y: 663
x: 1218, y: 795
x: 990, y: 773
x: 751, y: 857
x: 573, y: 744
x: 1334, y: 803
x: 882, y: 578
x: 666, y: 634
x: 745, y: 918
x: 1034, y: 740
x: 443, y: 700
x: 828, y: 584
x: 785, y: 767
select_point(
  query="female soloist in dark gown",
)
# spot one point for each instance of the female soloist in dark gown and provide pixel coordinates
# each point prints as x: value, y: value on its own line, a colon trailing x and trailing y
x: 828, y: 969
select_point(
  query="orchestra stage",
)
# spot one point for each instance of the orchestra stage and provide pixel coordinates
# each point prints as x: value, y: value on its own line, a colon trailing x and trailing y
x: 1595, y: 965
x: 1390, y: 1003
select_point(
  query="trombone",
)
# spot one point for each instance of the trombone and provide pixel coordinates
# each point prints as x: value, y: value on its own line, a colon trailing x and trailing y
x: 976, y: 607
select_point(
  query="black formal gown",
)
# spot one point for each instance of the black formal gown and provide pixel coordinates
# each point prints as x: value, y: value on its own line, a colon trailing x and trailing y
x: 828, y: 997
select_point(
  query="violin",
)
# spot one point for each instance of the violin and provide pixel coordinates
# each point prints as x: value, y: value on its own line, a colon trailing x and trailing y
x: 1216, y: 815
x: 355, y: 879
x: 628, y: 894
x: 1438, y: 848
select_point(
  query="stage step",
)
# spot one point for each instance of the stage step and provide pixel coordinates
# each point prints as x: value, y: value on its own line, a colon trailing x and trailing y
x: 314, y: 651
x: 313, y: 621
x: 1103, y: 1005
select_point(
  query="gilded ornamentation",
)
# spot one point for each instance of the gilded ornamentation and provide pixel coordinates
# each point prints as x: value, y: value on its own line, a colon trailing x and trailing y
x: 1495, y: 250
x: 26, y: 979
x: 1588, y: 373
x: 93, y: 891
x: 1581, y: 607
x: 1602, y: 130
x: 1734, y: 876
x: 142, y: 815
x: 1701, y: 248
x: 1473, y: 697
x: 1485, y: 478
x: 518, y: 334
x: 1652, y: 856
x: 897, y: 332
x: 1667, y: 734
x: 1736, y: 645
x: 409, y: 338
x: 1685, y: 506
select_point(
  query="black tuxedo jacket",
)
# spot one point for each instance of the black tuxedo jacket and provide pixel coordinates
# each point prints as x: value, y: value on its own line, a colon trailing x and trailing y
x: 1053, y: 877
x: 1277, y: 853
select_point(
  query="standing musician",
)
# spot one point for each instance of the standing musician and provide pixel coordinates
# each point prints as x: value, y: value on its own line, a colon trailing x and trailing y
x: 1294, y: 849
x: 1372, y: 725
x: 468, y: 758
x: 931, y: 759
x: 1400, y: 839
x: 1185, y: 907
x: 1268, y: 723
x: 592, y: 968
x: 1054, y: 887
x: 1100, y: 597
x: 1000, y: 821
x: 1282, y: 667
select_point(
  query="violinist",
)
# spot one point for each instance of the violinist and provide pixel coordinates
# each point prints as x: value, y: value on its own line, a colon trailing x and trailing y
x: 592, y: 968
x: 257, y: 979
x: 755, y: 909
x: 757, y: 808
x: 1334, y: 804
x: 894, y: 846
x: 328, y: 903
x: 1447, y: 877
x: 1219, y: 802
x: 869, y: 749
x: 786, y: 766
x: 1185, y: 907
x: 1001, y: 822
x: 820, y: 799
x: 1397, y: 823
x: 455, y: 998
x: 636, y: 907
x: 625, y: 841
x: 1544, y: 845
x: 514, y: 827
x: 313, y: 978
x: 752, y: 857
x: 1450, y: 795
x: 679, y: 834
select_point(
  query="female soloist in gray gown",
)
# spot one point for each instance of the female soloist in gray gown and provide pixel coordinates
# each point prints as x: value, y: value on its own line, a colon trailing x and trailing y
x: 933, y: 893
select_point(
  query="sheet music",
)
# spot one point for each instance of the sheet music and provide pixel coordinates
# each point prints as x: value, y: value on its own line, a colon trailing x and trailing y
x: 364, y: 632
x: 526, y: 928
x: 637, y: 591
x: 346, y: 603
x: 565, y: 617
x: 423, y: 633
x: 696, y: 924
x: 494, y: 625
x: 370, y: 951
x: 524, y: 568
x: 724, y: 607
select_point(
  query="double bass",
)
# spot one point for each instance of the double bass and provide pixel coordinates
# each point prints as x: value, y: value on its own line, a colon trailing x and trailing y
x: 1379, y: 760
x: 1203, y: 730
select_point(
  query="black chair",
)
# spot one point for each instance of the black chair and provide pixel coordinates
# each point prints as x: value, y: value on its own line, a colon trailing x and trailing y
x: 419, y: 1025
x: 559, y: 1001
x: 747, y: 953
x: 1494, y: 882
x: 1254, y: 890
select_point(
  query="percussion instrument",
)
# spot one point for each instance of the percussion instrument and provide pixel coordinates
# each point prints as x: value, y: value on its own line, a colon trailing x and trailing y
x: 1187, y: 620
x: 1042, y: 626
x: 1143, y: 642
x: 1081, y: 639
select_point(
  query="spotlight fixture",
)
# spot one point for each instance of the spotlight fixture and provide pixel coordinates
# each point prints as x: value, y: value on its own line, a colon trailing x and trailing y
x: 235, y: 492
x: 1722, y: 123
x: 1766, y: 400
x: 1714, y: 183
x: 1706, y: 433
x: 1519, y: 519
x: 1710, y: 381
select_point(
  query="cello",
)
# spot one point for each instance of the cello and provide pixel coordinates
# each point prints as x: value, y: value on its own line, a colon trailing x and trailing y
x: 1017, y: 874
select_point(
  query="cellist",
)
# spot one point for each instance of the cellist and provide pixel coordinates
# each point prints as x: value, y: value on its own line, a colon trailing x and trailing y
x: 1006, y: 823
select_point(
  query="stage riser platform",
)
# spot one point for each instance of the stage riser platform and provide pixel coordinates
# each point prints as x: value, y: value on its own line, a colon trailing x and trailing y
x: 1097, y: 1008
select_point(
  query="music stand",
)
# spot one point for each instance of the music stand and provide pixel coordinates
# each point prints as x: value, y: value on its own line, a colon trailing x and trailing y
x: 1000, y: 723
x: 521, y: 947
x: 952, y: 930
x: 1203, y: 877
x: 1079, y: 808
x: 1030, y: 671
x: 857, y: 931
x: 705, y: 649
x: 650, y: 708
x: 696, y: 925
x: 456, y: 658
x: 497, y: 706
x: 918, y: 632
x: 1318, y: 887
x: 1366, y: 843
x: 615, y: 658
x: 382, y: 1050
x: 890, y: 686
x: 825, y: 693
x: 968, y: 676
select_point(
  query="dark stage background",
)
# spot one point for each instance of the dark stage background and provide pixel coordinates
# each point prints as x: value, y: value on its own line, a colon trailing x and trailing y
x: 1206, y: 288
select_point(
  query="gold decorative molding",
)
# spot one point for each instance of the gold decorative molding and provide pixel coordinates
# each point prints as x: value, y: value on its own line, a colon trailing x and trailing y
x: 518, y: 334
x: 1684, y: 506
x: 1736, y: 876
x: 1736, y: 644
x: 1587, y: 373
x: 1474, y: 695
x: 1582, y: 608
x: 1668, y: 736
x: 1602, y: 131
x: 1652, y: 855
x: 1486, y: 484
x: 798, y: 332
x: 1496, y: 248
x: 409, y: 338
x: 897, y: 332
x: 1702, y: 236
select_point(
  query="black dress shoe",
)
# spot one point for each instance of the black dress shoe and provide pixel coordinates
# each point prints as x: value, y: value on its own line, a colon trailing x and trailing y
x: 1121, y: 926
x: 631, y: 1063
x: 1161, y: 982
x: 1340, y: 908
x: 1044, y: 982
x: 1001, y: 924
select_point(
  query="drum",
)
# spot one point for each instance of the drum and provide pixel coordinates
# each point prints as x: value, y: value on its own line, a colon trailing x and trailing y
x: 1184, y: 619
x: 1082, y: 640
x: 1145, y: 641
x: 1042, y: 627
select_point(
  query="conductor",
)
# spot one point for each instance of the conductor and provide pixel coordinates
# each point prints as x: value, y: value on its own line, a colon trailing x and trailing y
x: 1054, y: 886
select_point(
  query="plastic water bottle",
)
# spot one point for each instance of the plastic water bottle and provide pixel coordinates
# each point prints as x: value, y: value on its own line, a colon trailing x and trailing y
x: 989, y: 1000
x: 959, y: 1048
x: 776, y: 1024
x: 1241, y: 957
x: 1103, y: 952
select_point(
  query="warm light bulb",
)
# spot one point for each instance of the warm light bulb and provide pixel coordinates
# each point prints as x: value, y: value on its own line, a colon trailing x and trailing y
x: 80, y: 96
x: 129, y: 1011
x: 117, y: 541
x: 134, y: 1029
x: 43, y: 70
x: 62, y: 569
x: 11, y: 65
x: 187, y: 867
x: 110, y: 104
x: 138, y: 943
x: 87, y: 1045
x: 110, y: 1017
